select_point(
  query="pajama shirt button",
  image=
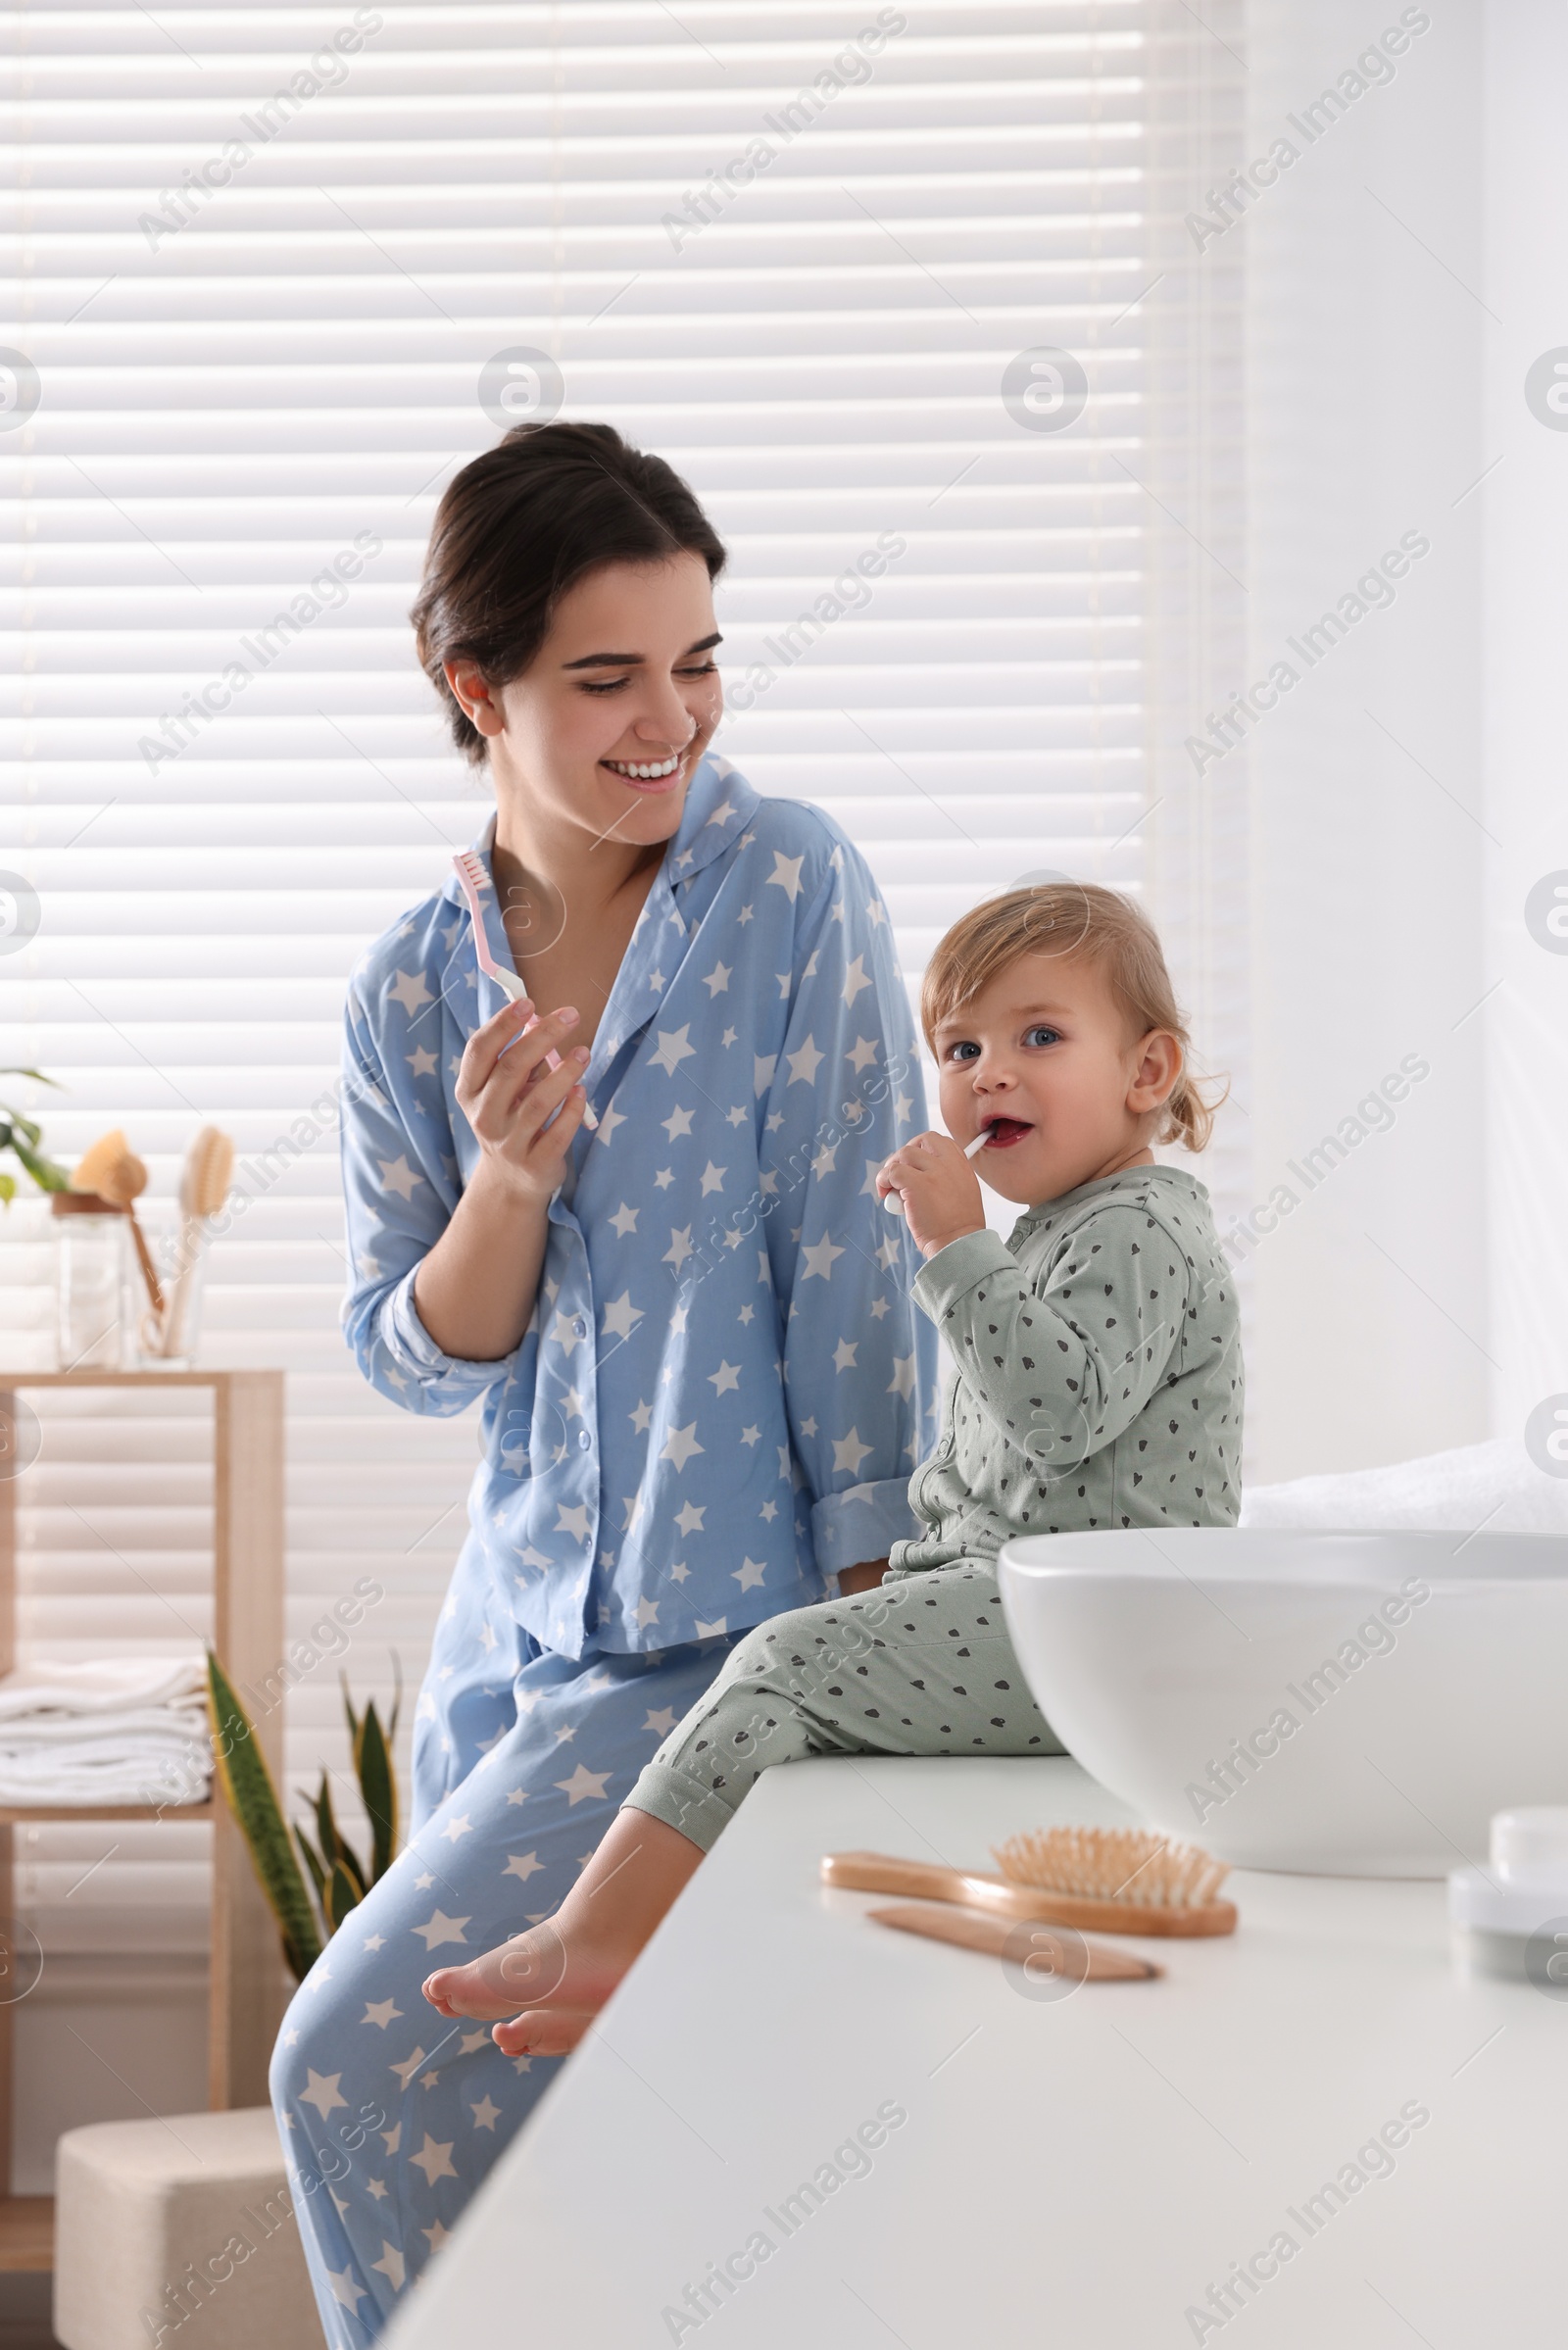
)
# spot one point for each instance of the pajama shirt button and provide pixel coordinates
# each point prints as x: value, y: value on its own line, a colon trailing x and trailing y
x: 583, y: 1440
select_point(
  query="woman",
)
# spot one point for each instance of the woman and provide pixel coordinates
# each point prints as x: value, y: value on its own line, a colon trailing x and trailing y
x: 703, y: 1382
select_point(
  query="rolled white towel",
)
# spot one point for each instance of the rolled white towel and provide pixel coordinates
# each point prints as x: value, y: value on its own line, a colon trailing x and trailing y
x: 1495, y: 1486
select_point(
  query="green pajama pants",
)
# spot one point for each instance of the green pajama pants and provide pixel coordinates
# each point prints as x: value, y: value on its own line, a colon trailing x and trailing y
x: 920, y: 1665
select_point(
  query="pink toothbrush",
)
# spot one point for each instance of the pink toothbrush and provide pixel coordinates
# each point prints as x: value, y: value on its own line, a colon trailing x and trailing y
x: 894, y: 1201
x: 474, y: 877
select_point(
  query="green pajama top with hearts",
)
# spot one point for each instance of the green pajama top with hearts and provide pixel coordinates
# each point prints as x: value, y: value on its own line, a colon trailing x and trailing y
x: 1095, y: 1375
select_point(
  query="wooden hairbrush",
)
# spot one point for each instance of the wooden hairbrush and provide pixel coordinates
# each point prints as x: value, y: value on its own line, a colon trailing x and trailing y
x: 1109, y: 1880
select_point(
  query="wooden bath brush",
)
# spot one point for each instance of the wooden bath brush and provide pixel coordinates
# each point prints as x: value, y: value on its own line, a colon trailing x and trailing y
x: 203, y: 1189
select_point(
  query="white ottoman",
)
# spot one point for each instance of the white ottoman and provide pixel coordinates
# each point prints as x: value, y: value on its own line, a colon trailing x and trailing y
x: 179, y: 2235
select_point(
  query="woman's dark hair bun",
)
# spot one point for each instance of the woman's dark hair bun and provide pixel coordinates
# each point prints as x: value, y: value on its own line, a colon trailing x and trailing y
x: 524, y: 523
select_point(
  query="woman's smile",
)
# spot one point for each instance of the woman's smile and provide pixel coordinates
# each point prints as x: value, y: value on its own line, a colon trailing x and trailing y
x: 650, y: 775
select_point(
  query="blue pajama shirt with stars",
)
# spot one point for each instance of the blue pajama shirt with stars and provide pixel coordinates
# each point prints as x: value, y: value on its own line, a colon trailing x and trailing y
x: 716, y: 1406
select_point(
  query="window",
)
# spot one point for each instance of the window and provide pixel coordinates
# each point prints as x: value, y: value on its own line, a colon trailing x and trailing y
x: 286, y: 270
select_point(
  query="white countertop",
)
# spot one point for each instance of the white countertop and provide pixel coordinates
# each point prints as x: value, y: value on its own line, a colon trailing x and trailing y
x: 1075, y: 2170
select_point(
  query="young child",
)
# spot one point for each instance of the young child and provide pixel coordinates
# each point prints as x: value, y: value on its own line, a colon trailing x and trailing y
x: 1097, y: 1382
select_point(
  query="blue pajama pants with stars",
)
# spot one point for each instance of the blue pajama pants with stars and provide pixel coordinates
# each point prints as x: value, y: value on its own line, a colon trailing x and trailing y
x: 391, y: 2114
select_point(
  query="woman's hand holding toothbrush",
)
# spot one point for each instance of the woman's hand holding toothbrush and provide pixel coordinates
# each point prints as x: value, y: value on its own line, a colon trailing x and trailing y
x: 474, y: 875
x: 478, y: 1288
x: 939, y: 1188
x: 507, y: 1090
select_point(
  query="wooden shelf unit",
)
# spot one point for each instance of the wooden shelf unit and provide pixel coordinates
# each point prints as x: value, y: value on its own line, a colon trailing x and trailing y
x: 248, y: 1986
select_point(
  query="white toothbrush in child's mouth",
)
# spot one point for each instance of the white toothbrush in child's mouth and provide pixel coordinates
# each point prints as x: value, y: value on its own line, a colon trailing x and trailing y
x: 894, y: 1201
x: 474, y: 877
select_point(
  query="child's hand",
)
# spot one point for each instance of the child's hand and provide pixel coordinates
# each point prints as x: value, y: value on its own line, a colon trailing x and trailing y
x: 939, y: 1189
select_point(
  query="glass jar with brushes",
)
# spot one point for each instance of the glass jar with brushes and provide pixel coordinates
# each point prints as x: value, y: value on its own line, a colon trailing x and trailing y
x: 104, y: 1253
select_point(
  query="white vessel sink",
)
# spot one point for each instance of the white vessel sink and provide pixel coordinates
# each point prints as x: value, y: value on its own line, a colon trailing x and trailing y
x: 1370, y: 1699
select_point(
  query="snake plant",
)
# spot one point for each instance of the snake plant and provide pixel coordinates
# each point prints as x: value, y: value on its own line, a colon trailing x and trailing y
x: 309, y: 1906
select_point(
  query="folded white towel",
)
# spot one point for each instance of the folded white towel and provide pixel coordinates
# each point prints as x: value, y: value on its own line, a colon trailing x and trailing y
x: 156, y: 1771
x: 130, y: 1730
x: 106, y: 1685
x: 1495, y: 1486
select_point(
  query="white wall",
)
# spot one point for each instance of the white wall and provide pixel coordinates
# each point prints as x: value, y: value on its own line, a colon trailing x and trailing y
x: 1369, y: 1338
x: 1525, y: 224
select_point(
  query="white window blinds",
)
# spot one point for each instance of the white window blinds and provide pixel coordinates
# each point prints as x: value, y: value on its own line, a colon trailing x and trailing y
x: 277, y: 270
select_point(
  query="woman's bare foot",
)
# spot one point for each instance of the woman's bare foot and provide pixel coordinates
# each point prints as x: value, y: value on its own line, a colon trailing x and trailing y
x: 569, y: 1965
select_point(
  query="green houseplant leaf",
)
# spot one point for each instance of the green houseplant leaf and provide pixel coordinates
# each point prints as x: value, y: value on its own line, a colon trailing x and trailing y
x: 326, y: 1836
x: 252, y: 1799
x: 313, y: 1862
x: 46, y: 1173
x: 343, y: 1894
x: 335, y: 1849
x: 23, y: 1137
x: 379, y: 1790
x: 336, y: 1875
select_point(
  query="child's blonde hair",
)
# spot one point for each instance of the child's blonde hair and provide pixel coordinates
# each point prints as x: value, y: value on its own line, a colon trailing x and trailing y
x: 1081, y: 921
